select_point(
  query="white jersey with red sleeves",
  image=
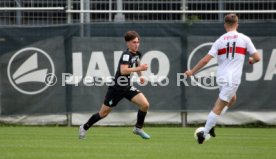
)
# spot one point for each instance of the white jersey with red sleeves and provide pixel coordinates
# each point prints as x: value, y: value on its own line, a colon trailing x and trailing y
x: 230, y: 50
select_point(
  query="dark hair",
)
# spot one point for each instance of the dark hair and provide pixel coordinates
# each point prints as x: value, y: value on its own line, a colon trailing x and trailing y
x: 231, y: 19
x: 130, y: 35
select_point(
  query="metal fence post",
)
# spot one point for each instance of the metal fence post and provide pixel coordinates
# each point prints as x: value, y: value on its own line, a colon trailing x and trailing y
x: 110, y: 8
x: 81, y: 18
x: 119, y: 17
x: 184, y: 122
x: 184, y: 5
x: 87, y: 7
x: 69, y: 15
x: 87, y: 18
x: 68, y: 104
x: 221, y: 7
x: 18, y: 13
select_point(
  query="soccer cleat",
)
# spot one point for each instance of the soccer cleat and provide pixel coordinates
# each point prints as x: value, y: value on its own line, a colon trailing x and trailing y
x: 82, y: 132
x: 200, y: 137
x: 141, y: 133
x: 212, y: 132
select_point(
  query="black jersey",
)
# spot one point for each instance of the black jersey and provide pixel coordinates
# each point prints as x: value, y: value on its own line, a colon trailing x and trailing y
x: 130, y: 59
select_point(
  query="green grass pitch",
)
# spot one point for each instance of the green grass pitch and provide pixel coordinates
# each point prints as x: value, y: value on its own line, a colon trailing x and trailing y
x: 119, y: 143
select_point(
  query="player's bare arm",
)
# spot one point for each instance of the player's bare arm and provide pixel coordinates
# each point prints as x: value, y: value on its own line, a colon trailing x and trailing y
x: 125, y: 70
x: 199, y: 65
x: 140, y: 73
x: 254, y: 58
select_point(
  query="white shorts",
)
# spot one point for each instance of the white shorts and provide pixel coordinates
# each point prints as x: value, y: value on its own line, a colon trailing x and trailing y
x: 227, y: 91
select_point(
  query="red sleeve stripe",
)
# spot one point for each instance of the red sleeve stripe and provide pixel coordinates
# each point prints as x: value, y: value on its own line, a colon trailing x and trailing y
x: 239, y: 50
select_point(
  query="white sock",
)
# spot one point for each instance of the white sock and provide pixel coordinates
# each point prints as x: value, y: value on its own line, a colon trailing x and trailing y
x: 224, y: 110
x: 211, y: 122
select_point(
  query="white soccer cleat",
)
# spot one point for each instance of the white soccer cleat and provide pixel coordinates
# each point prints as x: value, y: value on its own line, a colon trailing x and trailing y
x: 82, y: 132
x: 141, y: 133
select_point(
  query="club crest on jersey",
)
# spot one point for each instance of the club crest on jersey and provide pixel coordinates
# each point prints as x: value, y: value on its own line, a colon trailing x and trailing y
x: 134, y: 59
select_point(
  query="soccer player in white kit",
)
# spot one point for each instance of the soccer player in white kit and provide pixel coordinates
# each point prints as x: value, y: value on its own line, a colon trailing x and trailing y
x: 230, y: 50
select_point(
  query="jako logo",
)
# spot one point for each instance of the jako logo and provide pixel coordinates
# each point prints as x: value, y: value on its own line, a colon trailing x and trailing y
x: 24, y: 73
x: 205, y: 78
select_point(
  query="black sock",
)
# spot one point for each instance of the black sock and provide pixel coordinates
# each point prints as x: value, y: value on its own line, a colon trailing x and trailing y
x: 93, y: 119
x: 140, y: 119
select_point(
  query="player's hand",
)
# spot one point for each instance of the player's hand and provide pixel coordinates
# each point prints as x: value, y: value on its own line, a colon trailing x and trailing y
x: 142, y: 80
x: 251, y: 60
x: 143, y: 67
x: 189, y: 73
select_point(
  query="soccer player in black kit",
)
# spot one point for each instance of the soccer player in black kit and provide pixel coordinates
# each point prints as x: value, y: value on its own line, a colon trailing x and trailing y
x: 129, y: 63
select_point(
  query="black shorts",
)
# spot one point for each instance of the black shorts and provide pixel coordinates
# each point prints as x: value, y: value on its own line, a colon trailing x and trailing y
x: 115, y: 94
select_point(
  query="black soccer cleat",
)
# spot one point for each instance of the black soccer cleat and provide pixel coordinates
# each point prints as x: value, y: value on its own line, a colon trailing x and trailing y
x: 212, y: 132
x: 200, y: 137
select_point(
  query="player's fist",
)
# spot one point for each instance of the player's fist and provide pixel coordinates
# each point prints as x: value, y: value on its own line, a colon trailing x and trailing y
x: 143, y: 67
x: 142, y: 80
x: 251, y: 60
x: 188, y: 73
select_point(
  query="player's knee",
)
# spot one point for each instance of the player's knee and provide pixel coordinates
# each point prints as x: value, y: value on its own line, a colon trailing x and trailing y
x: 234, y: 98
x: 145, y: 105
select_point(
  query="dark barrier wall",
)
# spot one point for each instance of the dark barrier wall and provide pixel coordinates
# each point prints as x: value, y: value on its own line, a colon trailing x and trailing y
x: 29, y: 58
